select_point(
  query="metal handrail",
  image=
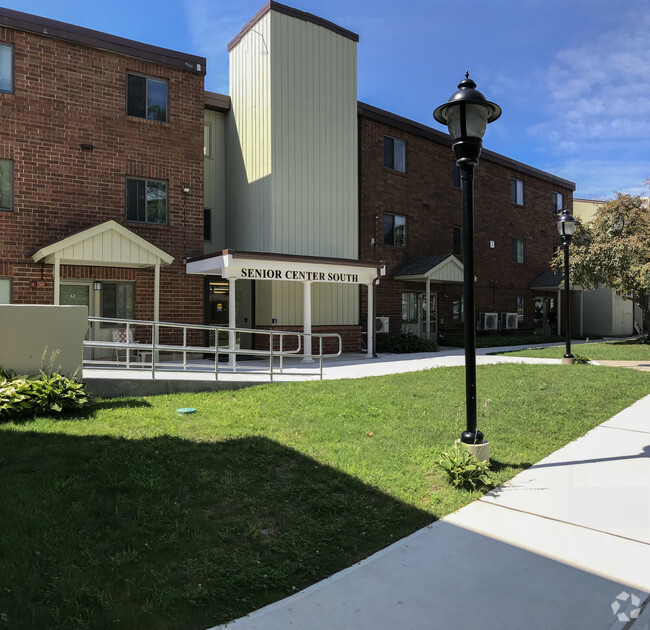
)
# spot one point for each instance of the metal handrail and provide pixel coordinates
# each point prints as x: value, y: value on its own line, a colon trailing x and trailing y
x: 155, y: 348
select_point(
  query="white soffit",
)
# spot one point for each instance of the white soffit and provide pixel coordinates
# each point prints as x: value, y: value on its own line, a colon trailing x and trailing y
x: 108, y: 244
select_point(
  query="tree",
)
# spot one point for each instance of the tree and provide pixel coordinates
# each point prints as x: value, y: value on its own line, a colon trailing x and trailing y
x: 614, y: 250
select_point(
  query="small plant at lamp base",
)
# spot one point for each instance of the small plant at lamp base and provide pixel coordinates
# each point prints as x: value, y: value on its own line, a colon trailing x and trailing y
x: 464, y: 470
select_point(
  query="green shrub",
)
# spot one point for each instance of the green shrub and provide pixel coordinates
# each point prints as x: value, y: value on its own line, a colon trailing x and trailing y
x: 464, y: 470
x: 406, y: 342
x: 39, y: 394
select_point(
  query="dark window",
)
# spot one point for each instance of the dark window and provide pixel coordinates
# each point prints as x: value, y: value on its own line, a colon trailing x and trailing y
x: 394, y: 230
x: 518, y: 250
x: 146, y: 97
x: 557, y: 202
x: 517, y: 192
x: 146, y: 201
x: 394, y: 154
x: 6, y: 185
x: 458, y: 241
x: 118, y: 300
x: 457, y: 308
x: 518, y: 307
x: 455, y: 175
x: 6, y: 68
x: 207, y: 224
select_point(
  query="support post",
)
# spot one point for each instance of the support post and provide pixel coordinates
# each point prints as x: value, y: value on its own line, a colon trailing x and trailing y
x: 370, y: 337
x: 232, y: 322
x: 306, y: 318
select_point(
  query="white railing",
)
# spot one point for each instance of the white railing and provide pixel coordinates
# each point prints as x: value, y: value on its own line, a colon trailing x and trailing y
x: 143, y: 341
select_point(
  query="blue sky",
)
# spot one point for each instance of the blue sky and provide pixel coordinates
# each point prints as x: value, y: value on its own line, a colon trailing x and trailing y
x: 572, y: 76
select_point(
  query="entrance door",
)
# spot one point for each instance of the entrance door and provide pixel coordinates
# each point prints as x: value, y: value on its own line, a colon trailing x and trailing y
x: 80, y: 294
x: 429, y: 314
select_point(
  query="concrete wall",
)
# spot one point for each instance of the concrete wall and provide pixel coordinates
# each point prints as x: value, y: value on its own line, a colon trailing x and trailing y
x: 36, y: 337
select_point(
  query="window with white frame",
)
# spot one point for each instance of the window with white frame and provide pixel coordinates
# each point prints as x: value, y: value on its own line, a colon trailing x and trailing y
x: 517, y: 192
x: 146, y: 97
x: 394, y: 154
x: 6, y: 68
x: 457, y: 308
x: 6, y: 185
x: 118, y: 300
x: 207, y: 140
x: 146, y: 201
x: 518, y: 250
x: 394, y: 230
x: 409, y: 307
x: 557, y: 202
x: 5, y: 290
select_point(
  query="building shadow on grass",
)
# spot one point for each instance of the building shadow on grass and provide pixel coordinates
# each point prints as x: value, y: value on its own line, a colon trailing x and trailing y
x: 107, y: 532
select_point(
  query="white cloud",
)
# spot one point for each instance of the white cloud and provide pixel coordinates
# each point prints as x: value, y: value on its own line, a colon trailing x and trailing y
x: 598, y: 92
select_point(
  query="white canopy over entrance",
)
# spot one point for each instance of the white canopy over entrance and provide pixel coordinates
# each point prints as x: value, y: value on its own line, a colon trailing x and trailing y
x: 234, y: 265
x: 443, y: 268
x: 108, y: 244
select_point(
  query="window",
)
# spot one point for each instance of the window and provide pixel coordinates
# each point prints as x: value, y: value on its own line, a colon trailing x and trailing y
x: 146, y: 97
x: 409, y: 307
x: 394, y: 230
x: 557, y: 202
x: 455, y: 176
x: 518, y: 307
x: 146, y: 201
x: 6, y: 68
x: 118, y: 300
x: 6, y: 185
x: 517, y: 191
x: 457, y: 308
x: 458, y: 241
x: 207, y: 140
x: 5, y: 290
x: 518, y: 250
x: 395, y: 154
x: 207, y: 224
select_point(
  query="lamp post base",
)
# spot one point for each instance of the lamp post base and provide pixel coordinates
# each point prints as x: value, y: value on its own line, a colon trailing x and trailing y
x: 479, y: 451
x: 568, y: 359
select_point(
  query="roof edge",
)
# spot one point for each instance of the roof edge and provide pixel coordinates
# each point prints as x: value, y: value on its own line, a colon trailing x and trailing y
x: 291, y: 12
x: 216, y: 102
x: 97, y: 39
x: 405, y: 124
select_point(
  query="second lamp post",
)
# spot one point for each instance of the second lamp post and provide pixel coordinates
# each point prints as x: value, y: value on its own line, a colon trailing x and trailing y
x: 565, y: 226
x: 467, y: 114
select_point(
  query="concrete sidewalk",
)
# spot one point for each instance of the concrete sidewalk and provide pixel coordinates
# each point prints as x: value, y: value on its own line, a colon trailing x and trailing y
x: 564, y: 545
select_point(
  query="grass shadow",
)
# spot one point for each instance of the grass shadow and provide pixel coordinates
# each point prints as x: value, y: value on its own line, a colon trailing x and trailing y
x: 107, y: 532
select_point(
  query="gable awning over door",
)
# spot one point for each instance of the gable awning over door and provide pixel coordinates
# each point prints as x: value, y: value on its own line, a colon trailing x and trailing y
x: 108, y: 244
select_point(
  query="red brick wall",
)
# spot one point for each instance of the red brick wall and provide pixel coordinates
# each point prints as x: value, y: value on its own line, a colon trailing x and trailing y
x: 67, y: 94
x: 432, y: 206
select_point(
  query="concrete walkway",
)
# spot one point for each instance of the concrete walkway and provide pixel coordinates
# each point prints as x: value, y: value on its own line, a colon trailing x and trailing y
x: 564, y: 545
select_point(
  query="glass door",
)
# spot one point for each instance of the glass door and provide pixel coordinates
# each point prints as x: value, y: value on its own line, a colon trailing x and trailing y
x: 428, y: 314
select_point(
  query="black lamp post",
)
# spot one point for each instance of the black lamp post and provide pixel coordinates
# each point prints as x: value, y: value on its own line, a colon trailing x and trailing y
x: 565, y: 226
x: 467, y: 114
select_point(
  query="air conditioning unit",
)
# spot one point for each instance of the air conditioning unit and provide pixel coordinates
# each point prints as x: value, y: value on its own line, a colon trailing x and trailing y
x: 381, y: 324
x: 508, y: 321
x: 488, y: 321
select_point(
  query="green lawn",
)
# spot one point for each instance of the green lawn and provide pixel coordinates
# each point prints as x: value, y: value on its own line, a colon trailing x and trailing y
x: 628, y: 350
x: 136, y: 517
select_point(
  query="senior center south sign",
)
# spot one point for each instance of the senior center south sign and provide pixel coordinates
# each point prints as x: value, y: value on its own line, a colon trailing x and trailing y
x: 253, y: 273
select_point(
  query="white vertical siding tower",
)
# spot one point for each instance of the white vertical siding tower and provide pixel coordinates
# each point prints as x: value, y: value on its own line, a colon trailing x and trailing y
x: 291, y: 174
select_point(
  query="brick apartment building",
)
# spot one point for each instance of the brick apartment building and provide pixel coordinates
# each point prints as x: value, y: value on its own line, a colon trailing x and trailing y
x: 99, y: 129
x: 411, y: 217
x: 126, y: 187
